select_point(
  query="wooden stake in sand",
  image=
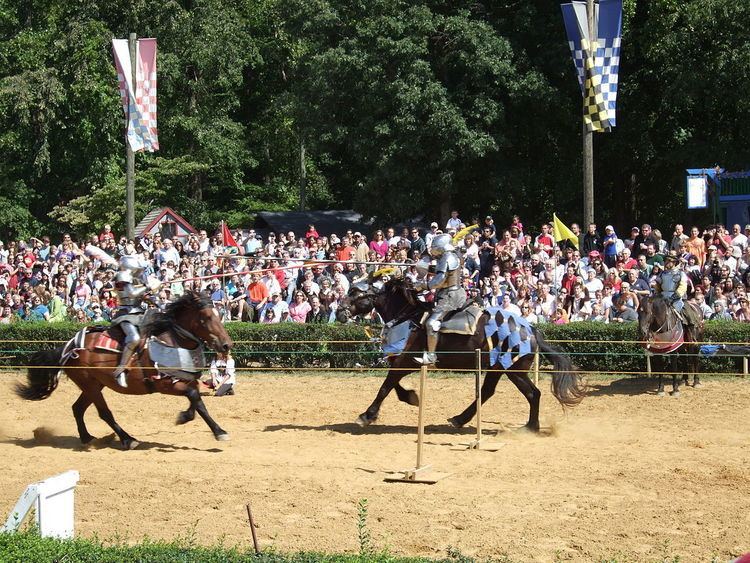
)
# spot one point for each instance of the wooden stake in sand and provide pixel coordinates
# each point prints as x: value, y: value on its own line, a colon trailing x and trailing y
x: 252, y: 528
x: 479, y: 443
x: 420, y: 473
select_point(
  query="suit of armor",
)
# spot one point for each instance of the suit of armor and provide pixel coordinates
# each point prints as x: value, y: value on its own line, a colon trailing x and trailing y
x: 672, y: 285
x: 449, y: 295
x: 130, y: 294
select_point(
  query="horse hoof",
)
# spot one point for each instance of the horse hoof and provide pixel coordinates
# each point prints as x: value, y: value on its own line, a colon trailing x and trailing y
x: 130, y: 445
x: 87, y: 439
x: 412, y: 398
x: 184, y: 418
x: 453, y: 421
x: 661, y: 393
x: 697, y: 385
x: 223, y: 437
x: 363, y: 420
x: 675, y: 394
x: 531, y: 428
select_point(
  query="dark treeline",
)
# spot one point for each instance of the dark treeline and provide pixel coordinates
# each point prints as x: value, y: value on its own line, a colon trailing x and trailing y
x: 396, y: 108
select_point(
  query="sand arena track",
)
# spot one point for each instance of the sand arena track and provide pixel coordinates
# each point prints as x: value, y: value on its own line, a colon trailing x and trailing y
x: 627, y: 474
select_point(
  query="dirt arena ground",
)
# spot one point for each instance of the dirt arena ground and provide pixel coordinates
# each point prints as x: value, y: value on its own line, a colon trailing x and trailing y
x: 626, y: 475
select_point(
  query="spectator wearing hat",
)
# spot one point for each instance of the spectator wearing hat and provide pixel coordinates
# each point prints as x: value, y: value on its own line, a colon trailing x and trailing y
x: 630, y: 241
x: 609, y: 245
x: 360, y: 247
x: 489, y: 223
x: 431, y: 234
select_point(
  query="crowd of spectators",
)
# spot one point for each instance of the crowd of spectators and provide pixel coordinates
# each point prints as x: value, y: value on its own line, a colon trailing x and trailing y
x: 269, y: 280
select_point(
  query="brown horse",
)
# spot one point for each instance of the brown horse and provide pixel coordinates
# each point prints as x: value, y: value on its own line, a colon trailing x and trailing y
x: 663, y: 334
x: 186, y: 323
x: 397, y: 302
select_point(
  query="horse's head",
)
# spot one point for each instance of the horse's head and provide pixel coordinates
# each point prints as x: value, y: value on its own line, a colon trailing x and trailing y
x: 359, y: 301
x: 652, y: 316
x: 195, y: 313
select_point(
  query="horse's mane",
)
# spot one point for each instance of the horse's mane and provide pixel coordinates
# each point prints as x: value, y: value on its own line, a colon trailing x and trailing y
x: 158, y: 322
x: 403, y: 286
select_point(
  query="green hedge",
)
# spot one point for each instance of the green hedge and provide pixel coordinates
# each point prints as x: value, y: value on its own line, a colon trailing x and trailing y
x: 27, y: 546
x: 592, y: 346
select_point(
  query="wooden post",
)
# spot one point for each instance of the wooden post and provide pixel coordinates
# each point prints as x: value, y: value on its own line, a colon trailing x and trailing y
x: 744, y: 366
x: 536, y: 368
x: 648, y: 363
x: 477, y: 444
x: 252, y: 529
x: 130, y: 155
x: 588, y: 141
x: 417, y: 475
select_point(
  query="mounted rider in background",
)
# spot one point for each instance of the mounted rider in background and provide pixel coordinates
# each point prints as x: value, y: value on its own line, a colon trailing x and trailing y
x: 130, y: 292
x: 672, y: 285
x: 450, y: 296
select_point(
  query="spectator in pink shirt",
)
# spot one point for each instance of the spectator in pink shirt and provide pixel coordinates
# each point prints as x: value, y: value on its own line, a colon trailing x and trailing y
x: 299, y: 309
x: 379, y: 244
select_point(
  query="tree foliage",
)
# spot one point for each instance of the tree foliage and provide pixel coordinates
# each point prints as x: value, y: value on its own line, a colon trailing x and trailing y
x: 403, y: 109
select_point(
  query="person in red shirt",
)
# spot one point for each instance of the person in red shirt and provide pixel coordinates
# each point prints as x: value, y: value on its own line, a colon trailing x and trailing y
x: 257, y: 296
x: 344, y: 250
x: 625, y: 262
x: 311, y: 232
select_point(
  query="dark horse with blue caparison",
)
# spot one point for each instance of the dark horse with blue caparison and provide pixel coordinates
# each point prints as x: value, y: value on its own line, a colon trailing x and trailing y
x: 662, y: 333
x: 397, y: 301
x: 185, y: 323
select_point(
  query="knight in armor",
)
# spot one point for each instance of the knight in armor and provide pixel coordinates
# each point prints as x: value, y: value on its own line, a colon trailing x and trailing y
x: 672, y: 285
x: 130, y: 291
x: 450, y: 296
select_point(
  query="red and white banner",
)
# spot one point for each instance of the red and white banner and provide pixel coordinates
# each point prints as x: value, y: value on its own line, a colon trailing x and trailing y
x: 139, y: 100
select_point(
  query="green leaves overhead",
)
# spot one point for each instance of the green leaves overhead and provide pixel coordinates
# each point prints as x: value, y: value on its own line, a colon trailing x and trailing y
x: 404, y: 109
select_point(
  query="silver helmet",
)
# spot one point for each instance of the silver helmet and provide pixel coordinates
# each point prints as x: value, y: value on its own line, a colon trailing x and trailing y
x: 124, y: 276
x: 440, y: 244
x: 132, y: 263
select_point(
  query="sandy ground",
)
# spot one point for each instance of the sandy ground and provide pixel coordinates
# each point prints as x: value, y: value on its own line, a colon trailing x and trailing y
x: 627, y: 474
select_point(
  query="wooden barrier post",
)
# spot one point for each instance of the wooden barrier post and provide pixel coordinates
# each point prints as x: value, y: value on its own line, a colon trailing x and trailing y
x: 648, y: 363
x: 479, y: 443
x: 744, y: 366
x: 536, y: 368
x: 419, y: 474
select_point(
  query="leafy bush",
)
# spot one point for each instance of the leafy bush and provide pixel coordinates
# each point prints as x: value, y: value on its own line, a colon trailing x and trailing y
x: 592, y: 346
x: 23, y: 547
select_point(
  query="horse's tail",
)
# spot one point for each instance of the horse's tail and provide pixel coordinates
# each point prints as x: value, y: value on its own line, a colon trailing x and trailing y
x: 42, y: 376
x: 568, y: 386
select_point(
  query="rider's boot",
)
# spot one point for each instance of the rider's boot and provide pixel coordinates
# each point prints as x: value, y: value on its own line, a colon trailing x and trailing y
x: 429, y: 357
x: 120, y: 371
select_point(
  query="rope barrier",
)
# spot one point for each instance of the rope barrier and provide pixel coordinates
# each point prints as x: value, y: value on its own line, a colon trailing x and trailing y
x: 363, y: 369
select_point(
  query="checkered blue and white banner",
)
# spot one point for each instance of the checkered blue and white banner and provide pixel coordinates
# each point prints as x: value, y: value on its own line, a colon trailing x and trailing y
x: 139, y: 99
x: 606, y: 58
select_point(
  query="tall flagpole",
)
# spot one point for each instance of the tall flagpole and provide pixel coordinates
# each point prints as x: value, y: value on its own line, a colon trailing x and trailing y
x: 130, y: 168
x: 588, y: 140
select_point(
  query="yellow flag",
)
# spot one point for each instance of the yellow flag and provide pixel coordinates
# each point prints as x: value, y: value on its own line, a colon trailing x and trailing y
x: 561, y: 232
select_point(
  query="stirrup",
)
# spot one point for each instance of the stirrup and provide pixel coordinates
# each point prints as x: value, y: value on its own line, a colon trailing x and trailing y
x: 122, y: 378
x: 427, y: 359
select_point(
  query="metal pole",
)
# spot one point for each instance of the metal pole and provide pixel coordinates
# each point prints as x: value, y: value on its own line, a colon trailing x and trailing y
x: 130, y: 168
x: 588, y: 141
